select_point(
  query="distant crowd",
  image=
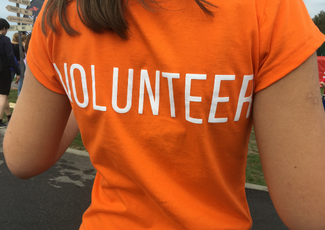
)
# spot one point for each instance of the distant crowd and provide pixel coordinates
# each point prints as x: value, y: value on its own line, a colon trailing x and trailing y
x: 12, y: 67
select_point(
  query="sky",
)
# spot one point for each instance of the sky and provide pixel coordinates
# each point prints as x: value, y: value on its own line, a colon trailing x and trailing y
x: 313, y: 7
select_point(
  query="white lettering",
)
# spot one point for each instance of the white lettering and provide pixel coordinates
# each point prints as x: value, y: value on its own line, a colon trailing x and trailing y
x: 170, y: 77
x: 93, y: 78
x: 67, y: 80
x: 66, y: 89
x: 115, y: 90
x: 154, y: 102
x: 83, y: 83
x: 216, y: 98
x: 215, y: 116
x: 189, y: 98
x: 242, y: 99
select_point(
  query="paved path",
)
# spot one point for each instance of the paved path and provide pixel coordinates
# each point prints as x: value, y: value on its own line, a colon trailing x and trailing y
x: 57, y: 198
x: 14, y: 85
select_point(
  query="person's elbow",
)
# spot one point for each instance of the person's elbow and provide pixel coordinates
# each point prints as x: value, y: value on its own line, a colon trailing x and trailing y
x: 310, y: 224
x: 23, y: 167
x: 17, y: 171
x: 311, y: 217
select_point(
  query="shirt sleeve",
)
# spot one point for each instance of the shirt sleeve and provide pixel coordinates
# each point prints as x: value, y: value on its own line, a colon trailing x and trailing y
x: 40, y: 56
x: 288, y: 36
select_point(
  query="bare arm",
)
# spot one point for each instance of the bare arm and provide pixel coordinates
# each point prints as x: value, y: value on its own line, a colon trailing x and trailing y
x: 70, y: 132
x: 17, y: 79
x: 289, y: 131
x: 32, y: 141
x: 323, y: 84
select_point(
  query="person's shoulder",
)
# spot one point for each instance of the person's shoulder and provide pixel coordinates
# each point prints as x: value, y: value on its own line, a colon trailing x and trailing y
x: 5, y: 39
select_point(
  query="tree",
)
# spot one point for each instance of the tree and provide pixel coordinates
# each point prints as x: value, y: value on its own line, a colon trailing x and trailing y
x: 319, y: 21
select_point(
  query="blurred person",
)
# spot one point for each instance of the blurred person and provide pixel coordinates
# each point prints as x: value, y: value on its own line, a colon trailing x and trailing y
x: 15, y: 47
x: 7, y: 62
x: 24, y: 39
x: 322, y: 84
x: 321, y: 72
x: 165, y: 105
x: 28, y: 37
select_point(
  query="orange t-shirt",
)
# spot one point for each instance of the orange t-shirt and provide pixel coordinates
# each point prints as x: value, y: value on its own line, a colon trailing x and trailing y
x: 166, y: 115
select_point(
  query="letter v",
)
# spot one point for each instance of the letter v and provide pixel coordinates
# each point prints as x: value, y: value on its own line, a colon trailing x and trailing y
x: 66, y: 89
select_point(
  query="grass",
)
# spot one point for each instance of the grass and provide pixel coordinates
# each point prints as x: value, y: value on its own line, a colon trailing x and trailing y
x: 77, y: 143
x: 11, y: 98
x: 254, y: 173
x: 13, y: 95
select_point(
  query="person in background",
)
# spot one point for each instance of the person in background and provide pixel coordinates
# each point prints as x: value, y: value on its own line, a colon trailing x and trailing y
x: 15, y: 47
x: 27, y: 39
x: 321, y: 70
x: 322, y: 84
x: 7, y: 61
x: 24, y: 39
x: 165, y: 105
x: 21, y: 81
x: 25, y: 42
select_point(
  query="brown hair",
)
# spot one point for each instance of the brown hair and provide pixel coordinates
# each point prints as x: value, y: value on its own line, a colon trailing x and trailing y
x: 28, y: 37
x: 15, y: 38
x: 98, y: 15
x: 24, y: 38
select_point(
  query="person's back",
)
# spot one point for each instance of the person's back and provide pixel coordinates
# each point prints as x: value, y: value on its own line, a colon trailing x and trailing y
x: 7, y: 57
x: 166, y: 114
x: 143, y: 90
